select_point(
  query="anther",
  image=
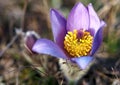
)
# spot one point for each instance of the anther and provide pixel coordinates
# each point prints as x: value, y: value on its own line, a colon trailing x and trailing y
x: 78, y: 47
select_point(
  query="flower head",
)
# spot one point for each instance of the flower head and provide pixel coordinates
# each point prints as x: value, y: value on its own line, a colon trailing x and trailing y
x: 76, y: 38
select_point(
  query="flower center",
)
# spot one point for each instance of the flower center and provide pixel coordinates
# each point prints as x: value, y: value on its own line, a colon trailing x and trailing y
x: 77, y: 47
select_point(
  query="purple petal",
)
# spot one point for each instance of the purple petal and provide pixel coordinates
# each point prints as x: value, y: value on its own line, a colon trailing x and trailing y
x: 98, y: 38
x: 44, y: 46
x: 78, y: 18
x: 58, y: 27
x: 94, y: 19
x: 102, y: 24
x: 83, y: 62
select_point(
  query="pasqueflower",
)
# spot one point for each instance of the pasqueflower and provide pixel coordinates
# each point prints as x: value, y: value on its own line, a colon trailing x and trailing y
x: 76, y: 38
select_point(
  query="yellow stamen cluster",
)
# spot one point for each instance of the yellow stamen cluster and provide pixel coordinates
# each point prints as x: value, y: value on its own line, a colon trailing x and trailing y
x: 78, y: 47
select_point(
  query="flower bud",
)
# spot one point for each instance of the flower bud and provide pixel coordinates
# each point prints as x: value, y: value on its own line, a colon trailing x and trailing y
x: 30, y: 39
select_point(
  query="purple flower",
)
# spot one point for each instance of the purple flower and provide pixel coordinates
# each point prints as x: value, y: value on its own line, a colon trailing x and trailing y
x: 30, y: 38
x: 76, y: 38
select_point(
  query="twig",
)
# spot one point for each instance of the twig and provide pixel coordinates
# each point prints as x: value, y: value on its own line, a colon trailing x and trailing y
x: 24, y: 11
x: 61, y: 82
x: 103, y: 11
x: 16, y: 36
x: 17, y: 79
x: 8, y: 46
x: 22, y: 68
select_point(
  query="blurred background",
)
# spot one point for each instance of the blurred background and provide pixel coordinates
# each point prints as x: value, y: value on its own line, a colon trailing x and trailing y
x: 18, y: 66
